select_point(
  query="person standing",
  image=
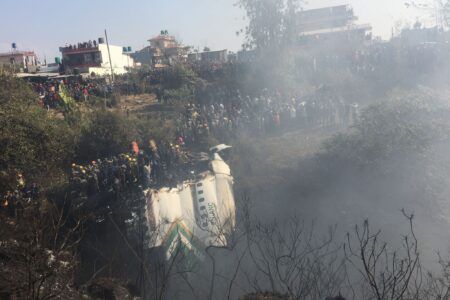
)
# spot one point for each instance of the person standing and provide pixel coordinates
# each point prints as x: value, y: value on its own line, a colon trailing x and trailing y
x: 85, y: 94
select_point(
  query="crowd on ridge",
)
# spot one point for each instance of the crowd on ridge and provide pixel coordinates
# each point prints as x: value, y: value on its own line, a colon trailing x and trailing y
x: 50, y: 92
x: 166, y: 164
x: 216, y: 111
x: 224, y: 114
x: 379, y: 58
x: 154, y: 165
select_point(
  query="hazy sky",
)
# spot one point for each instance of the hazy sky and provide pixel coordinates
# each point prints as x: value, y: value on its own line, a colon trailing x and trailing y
x: 44, y: 25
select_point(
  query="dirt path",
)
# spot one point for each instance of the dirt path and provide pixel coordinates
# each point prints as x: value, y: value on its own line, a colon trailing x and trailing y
x: 137, y: 103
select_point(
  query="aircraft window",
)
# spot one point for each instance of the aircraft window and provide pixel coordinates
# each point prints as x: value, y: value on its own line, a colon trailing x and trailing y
x: 199, y: 184
x: 200, y: 192
x: 201, y: 199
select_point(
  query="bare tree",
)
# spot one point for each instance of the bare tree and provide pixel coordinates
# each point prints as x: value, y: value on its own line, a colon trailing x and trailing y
x: 438, y: 285
x: 389, y: 274
x: 439, y: 10
x: 289, y: 259
x: 38, y: 252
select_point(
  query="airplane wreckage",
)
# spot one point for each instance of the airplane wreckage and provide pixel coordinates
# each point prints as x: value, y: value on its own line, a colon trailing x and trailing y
x: 197, y: 214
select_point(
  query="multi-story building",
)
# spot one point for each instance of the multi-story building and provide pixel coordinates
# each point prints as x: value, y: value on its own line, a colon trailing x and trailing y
x: 163, y: 41
x: 220, y: 56
x: 164, y: 50
x: 331, y: 22
x: 92, y: 57
x: 22, y: 60
x: 144, y: 56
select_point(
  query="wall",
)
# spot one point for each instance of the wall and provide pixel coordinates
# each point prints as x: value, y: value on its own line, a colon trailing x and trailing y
x: 119, y: 60
x: 214, y: 56
x: 106, y: 71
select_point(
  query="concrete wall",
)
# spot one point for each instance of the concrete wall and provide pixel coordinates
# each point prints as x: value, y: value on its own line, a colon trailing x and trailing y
x: 106, y: 71
x: 118, y: 58
x: 20, y: 60
x: 120, y: 61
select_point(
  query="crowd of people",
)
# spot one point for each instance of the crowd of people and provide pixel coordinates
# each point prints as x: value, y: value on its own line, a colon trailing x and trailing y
x: 224, y: 114
x: 154, y: 165
x: 81, y: 90
x: 13, y: 201
x: 54, y: 93
x: 166, y: 164
x: 215, y: 111
x: 48, y: 92
x: 84, y: 45
x: 110, y: 174
x: 379, y: 58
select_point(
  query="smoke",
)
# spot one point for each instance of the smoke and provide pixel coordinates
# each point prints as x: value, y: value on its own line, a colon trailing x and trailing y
x: 395, y: 158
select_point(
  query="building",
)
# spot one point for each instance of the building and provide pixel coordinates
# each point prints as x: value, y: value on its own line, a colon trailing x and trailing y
x: 220, y: 56
x: 194, y: 57
x: 92, y: 57
x: 25, y: 61
x: 420, y: 35
x: 163, y: 41
x: 247, y: 56
x: 330, y: 23
x: 164, y: 50
x: 144, y: 56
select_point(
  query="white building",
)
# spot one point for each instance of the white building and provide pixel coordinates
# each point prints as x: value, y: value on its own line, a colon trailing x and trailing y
x: 93, y: 57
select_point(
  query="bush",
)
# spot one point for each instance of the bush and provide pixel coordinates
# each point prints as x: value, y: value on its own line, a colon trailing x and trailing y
x: 397, y: 128
x: 104, y: 134
x: 32, y: 142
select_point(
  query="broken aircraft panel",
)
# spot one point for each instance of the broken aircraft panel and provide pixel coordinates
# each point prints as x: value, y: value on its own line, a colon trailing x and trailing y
x: 197, y: 214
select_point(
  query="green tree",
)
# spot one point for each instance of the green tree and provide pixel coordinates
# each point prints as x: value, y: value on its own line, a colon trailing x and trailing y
x: 400, y: 127
x: 178, y: 76
x: 271, y: 22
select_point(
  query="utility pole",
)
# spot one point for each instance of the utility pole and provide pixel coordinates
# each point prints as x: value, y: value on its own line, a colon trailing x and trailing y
x: 109, y: 55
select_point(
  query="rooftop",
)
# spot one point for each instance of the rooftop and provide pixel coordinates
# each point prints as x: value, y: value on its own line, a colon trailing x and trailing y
x: 328, y: 9
x: 17, y: 53
x: 352, y: 27
x: 80, y: 47
x: 163, y: 38
x: 68, y: 50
